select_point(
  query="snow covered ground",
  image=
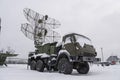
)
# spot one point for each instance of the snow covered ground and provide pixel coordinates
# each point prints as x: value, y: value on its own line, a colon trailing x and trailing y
x: 20, y: 72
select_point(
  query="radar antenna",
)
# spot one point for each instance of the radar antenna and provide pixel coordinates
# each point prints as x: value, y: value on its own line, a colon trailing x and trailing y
x: 27, y: 30
x: 40, y: 29
x: 36, y: 18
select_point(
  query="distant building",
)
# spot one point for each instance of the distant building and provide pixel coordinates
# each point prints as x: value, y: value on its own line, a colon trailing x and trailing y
x: 113, y: 60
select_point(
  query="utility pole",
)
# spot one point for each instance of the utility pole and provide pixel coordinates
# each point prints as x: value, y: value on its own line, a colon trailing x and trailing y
x: 102, y: 54
x: 0, y: 33
x: 0, y: 27
x: 0, y: 24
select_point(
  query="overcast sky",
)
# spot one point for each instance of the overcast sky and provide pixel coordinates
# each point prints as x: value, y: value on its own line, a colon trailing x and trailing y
x: 97, y: 19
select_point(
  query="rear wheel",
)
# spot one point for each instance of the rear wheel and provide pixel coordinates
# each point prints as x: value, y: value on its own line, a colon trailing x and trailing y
x: 83, y: 68
x: 64, y: 66
x: 33, y: 65
x: 40, y: 66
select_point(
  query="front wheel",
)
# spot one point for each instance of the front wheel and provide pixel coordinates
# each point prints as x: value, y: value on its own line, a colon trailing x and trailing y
x: 64, y: 66
x: 83, y: 68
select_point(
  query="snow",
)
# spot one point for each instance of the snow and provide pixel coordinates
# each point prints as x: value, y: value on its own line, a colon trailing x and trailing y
x: 20, y: 72
x: 43, y: 55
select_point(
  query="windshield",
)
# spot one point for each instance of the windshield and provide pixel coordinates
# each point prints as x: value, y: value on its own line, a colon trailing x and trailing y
x: 78, y: 38
x: 82, y: 40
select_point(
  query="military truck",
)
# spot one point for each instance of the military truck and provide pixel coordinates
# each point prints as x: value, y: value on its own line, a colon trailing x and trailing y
x: 74, y: 52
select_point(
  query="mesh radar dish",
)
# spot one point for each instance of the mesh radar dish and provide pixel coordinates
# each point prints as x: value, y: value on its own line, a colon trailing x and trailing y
x: 41, y: 35
x: 27, y: 30
x: 45, y: 36
x: 40, y: 29
x: 52, y: 36
x: 36, y: 18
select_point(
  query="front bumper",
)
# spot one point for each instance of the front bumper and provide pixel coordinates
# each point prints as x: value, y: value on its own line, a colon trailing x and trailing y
x: 82, y: 58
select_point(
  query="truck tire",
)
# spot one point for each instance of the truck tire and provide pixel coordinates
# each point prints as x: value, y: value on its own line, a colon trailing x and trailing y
x: 83, y: 68
x: 40, y: 66
x: 33, y: 65
x: 64, y: 66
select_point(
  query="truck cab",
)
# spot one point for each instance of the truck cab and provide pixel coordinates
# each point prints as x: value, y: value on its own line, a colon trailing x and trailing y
x: 76, y: 52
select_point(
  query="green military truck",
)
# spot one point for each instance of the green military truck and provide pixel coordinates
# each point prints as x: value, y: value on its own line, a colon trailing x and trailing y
x: 74, y: 52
